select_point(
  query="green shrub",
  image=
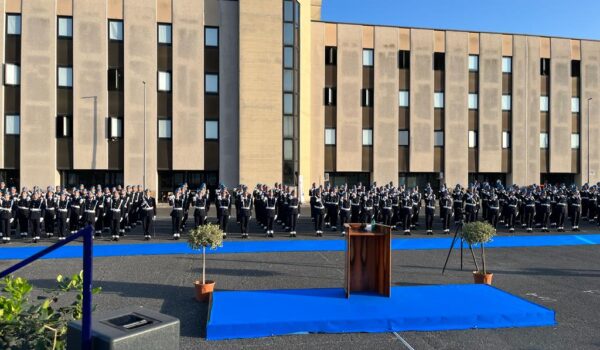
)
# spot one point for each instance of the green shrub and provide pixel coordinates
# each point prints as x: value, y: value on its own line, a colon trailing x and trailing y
x: 37, y: 324
x: 479, y: 232
x: 205, y: 236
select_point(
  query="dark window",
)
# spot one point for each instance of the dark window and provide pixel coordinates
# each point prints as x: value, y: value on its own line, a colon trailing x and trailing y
x: 404, y: 59
x: 367, y: 97
x: 575, y: 68
x: 330, y: 96
x: 545, y: 66
x: 115, y: 79
x: 438, y: 61
x: 331, y: 56
x: 64, y: 126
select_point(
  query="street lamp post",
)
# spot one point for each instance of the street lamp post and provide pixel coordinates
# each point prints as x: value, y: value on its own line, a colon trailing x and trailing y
x: 144, y: 176
x: 588, y: 139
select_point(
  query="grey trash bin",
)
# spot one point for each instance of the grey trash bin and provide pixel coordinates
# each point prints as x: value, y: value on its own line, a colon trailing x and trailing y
x: 130, y: 328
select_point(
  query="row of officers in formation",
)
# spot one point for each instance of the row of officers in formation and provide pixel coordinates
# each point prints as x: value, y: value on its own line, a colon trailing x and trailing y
x: 59, y: 212
x: 541, y: 206
x: 118, y: 210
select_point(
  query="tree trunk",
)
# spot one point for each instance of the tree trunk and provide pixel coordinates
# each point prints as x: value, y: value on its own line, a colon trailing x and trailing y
x: 203, y: 265
x: 483, y: 257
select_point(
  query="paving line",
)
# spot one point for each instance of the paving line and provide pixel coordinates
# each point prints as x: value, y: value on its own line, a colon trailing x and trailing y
x: 403, y: 341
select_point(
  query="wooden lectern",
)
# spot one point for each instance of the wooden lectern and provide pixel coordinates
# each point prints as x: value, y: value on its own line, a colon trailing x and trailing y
x: 368, y: 259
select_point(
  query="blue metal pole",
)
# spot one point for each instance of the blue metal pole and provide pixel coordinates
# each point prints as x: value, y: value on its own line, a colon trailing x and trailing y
x: 86, y: 329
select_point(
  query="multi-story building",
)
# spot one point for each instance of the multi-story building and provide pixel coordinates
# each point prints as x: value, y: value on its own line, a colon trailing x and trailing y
x: 262, y: 91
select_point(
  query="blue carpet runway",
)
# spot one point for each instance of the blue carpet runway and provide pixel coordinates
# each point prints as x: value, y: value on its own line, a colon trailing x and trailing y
x: 313, y: 245
x: 253, y: 314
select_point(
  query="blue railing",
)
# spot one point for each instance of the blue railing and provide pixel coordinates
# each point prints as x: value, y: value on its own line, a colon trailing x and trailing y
x: 87, y: 234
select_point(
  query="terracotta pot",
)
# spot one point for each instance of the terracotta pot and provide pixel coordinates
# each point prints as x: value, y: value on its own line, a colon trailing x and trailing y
x: 480, y: 278
x: 203, y: 291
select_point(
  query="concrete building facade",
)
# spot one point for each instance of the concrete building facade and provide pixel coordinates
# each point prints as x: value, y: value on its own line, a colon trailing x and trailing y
x: 161, y: 92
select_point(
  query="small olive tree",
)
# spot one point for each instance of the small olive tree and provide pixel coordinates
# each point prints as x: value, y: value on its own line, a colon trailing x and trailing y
x: 479, y: 232
x: 204, y: 236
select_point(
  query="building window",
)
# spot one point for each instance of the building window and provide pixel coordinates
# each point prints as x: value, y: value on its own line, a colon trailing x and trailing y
x: 545, y: 66
x: 473, y: 103
x: 288, y: 104
x: 288, y: 150
x: 439, y: 61
x: 211, y: 130
x: 330, y: 97
x: 12, y: 74
x: 115, y: 128
x: 574, y: 141
x: 544, y: 103
x: 438, y: 100
x: 288, y: 34
x: 506, y: 64
x: 367, y: 137
x: 438, y: 138
x: 367, y: 97
x: 211, y: 83
x: 115, y: 79
x: 13, y: 125
x: 164, y: 128
x: 288, y: 80
x: 211, y: 36
x: 368, y: 59
x: 505, y: 139
x: 544, y: 140
x: 403, y: 98
x: 65, y: 77
x: 473, y: 63
x: 65, y: 27
x: 575, y: 104
x: 403, y: 138
x: 472, y: 139
x: 506, y: 102
x: 288, y: 57
x: 164, y: 81
x: 330, y: 137
x: 330, y: 55
x: 64, y: 126
x: 288, y: 126
x: 164, y: 34
x: 404, y: 59
x: 13, y: 24
x: 575, y: 68
x: 115, y: 30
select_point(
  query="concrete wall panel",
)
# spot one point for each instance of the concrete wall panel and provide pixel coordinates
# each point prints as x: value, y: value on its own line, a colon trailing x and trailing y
x: 560, y: 106
x: 590, y: 88
x: 229, y: 147
x: 421, y: 101
x: 261, y: 118
x: 490, y: 97
x: 140, y: 65
x: 114, y: 9
x: 90, y: 99
x: 533, y: 110
x: 317, y: 142
x: 385, y: 131
x: 349, y: 112
x: 456, y: 115
x: 188, y: 85
x: 64, y: 8
x: 164, y: 13
x: 38, y: 94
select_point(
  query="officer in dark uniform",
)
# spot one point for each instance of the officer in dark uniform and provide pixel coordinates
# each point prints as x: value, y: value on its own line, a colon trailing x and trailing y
x: 63, y: 209
x: 245, y: 211
x: 529, y: 211
x: 386, y: 210
x: 200, y: 204
x: 545, y: 207
x: 76, y: 212
x: 117, y: 211
x: 406, y: 212
x: 50, y: 216
x: 7, y: 214
x: 177, y: 203
x: 575, y: 208
x: 36, y: 216
x: 429, y: 210
x: 148, y: 213
x: 23, y: 214
x: 366, y: 209
x: 270, y: 205
x: 319, y: 213
x: 561, y: 204
x: 512, y: 205
x: 333, y: 208
x: 446, y: 210
x: 90, y: 213
x: 225, y: 206
x: 294, y: 212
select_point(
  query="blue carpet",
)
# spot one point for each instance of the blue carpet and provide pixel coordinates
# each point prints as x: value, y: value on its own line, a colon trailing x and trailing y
x: 254, y: 314
x: 313, y: 245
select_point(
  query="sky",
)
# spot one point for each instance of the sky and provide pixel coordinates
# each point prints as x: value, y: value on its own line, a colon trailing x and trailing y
x: 565, y: 18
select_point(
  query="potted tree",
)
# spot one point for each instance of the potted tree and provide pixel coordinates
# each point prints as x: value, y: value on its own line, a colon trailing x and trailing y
x: 480, y: 233
x: 204, y: 236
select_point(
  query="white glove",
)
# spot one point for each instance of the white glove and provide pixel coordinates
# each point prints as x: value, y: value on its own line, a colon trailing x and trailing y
x: 95, y: 219
x: 153, y: 218
x: 121, y: 220
x: 11, y: 220
x: 68, y: 220
x: 275, y: 218
x: 41, y: 219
